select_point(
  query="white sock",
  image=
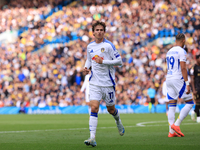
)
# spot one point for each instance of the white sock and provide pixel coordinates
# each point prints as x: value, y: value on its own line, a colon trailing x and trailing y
x: 93, y: 124
x: 116, y: 116
x: 184, y: 112
x: 171, y: 115
x: 198, y: 119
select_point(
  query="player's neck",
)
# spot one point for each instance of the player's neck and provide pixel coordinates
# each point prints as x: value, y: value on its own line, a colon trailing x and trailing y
x: 179, y: 44
x: 99, y: 40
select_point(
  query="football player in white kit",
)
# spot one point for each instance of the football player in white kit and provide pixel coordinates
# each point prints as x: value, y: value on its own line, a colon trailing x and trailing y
x: 177, y: 85
x: 85, y: 87
x: 102, y: 56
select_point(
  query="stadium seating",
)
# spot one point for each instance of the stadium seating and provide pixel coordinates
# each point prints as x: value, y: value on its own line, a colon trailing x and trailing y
x: 50, y: 52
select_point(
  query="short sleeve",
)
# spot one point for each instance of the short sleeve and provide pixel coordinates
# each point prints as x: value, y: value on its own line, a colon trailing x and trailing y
x: 183, y: 55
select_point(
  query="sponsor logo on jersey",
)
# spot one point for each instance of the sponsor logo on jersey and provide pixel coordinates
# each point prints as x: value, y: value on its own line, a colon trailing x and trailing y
x: 93, y: 58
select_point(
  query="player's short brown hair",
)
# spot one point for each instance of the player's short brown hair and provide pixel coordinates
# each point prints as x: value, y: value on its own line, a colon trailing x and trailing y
x: 99, y: 23
x: 180, y: 37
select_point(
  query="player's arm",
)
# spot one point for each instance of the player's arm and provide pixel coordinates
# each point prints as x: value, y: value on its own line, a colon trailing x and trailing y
x: 116, y: 61
x: 184, y: 70
x: 192, y: 80
x: 87, y: 63
x: 84, y: 85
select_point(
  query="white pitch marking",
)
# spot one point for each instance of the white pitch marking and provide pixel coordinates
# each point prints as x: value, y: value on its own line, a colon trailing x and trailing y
x: 141, y: 124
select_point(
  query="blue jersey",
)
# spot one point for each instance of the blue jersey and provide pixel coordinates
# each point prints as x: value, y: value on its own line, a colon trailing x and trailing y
x: 174, y: 56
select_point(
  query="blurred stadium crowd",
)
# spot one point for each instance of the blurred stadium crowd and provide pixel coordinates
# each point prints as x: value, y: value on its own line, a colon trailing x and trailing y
x: 54, y: 78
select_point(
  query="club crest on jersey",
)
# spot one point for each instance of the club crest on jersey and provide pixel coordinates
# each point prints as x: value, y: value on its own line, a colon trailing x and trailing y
x: 102, y: 50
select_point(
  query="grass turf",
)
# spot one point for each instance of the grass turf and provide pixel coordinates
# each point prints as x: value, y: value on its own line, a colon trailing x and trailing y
x: 67, y: 132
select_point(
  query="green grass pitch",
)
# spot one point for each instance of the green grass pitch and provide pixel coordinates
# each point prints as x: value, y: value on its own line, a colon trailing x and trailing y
x: 68, y: 132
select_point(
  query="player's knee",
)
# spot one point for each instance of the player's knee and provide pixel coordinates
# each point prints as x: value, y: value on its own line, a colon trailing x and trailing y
x: 111, y: 111
x: 94, y: 109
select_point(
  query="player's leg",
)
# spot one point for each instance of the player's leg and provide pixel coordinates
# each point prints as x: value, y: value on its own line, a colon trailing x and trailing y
x: 109, y: 98
x: 172, y: 96
x: 88, y: 102
x: 93, y: 120
x: 197, y: 107
x: 154, y: 104
x: 93, y: 117
x: 95, y: 97
x: 193, y: 114
x: 197, y: 110
x: 167, y: 108
x: 89, y: 108
x: 114, y: 112
x: 150, y: 104
x: 184, y: 112
x: 171, y: 117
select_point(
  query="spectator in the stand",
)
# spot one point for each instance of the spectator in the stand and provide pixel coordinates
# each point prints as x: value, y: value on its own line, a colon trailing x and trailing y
x: 151, y: 92
x: 22, y: 108
x: 23, y: 75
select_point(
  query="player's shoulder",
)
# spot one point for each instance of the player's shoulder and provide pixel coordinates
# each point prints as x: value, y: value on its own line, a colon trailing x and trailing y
x: 180, y: 49
x: 172, y: 51
x: 91, y: 43
x: 176, y: 50
x: 109, y: 43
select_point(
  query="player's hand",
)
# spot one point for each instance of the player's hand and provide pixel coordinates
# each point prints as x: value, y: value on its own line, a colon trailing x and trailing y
x: 194, y: 92
x: 99, y: 60
x: 86, y: 71
x: 188, y: 89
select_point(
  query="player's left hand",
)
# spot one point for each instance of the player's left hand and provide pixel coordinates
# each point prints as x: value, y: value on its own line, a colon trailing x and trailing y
x: 99, y: 60
x: 188, y: 89
x: 195, y: 92
x: 85, y: 71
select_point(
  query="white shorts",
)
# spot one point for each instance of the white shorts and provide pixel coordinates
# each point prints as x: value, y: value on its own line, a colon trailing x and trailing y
x: 105, y: 93
x: 177, y: 89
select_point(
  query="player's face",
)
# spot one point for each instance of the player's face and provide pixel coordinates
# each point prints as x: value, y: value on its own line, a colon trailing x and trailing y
x: 98, y: 32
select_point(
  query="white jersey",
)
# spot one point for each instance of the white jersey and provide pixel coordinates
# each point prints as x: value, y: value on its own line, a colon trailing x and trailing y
x: 85, y: 85
x: 102, y: 74
x: 174, y: 56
